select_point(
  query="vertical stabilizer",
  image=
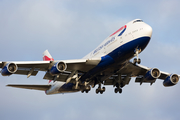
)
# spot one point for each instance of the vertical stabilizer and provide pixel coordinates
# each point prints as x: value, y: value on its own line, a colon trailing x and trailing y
x: 47, y: 57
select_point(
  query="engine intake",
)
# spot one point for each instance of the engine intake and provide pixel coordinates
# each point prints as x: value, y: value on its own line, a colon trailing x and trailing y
x: 171, y: 80
x: 9, y: 69
x: 152, y: 74
x: 57, y: 68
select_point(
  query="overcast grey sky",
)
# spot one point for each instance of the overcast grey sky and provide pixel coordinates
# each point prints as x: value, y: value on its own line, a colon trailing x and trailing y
x: 70, y: 29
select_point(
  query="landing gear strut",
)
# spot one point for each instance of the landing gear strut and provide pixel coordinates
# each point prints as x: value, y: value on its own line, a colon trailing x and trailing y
x: 100, y: 90
x: 137, y: 60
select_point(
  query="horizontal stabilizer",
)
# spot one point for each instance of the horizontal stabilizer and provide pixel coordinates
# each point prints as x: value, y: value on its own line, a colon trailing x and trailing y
x: 34, y: 87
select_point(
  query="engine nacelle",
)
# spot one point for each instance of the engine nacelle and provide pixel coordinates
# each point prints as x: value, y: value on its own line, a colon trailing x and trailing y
x: 57, y: 68
x: 152, y: 74
x: 171, y: 80
x: 9, y: 69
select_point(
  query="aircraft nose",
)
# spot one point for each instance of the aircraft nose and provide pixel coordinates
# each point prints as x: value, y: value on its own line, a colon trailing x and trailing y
x: 148, y: 30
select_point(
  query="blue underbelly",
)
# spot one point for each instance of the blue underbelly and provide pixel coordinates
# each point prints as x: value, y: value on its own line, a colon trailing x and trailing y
x: 118, y: 56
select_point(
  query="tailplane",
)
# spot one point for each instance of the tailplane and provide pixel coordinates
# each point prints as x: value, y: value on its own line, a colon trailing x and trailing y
x: 34, y: 87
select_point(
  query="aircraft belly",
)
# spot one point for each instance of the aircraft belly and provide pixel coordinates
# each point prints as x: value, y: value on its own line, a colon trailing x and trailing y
x: 67, y: 88
x: 126, y: 51
x: 118, y: 56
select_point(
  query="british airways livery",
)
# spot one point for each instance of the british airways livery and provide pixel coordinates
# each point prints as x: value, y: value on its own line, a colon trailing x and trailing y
x: 108, y: 64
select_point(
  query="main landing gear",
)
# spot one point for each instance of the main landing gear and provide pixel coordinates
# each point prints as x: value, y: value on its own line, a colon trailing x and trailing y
x: 137, y: 60
x: 118, y: 89
x: 100, y: 90
x: 87, y: 89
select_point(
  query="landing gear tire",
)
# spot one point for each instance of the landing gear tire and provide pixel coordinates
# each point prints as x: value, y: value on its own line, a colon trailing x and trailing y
x: 97, y: 91
x: 103, y: 89
x: 86, y: 89
x: 100, y: 90
x: 139, y: 61
x: 116, y: 90
x: 136, y: 61
x: 120, y: 90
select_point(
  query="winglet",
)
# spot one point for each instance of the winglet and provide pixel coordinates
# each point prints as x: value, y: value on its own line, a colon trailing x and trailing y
x: 47, y: 56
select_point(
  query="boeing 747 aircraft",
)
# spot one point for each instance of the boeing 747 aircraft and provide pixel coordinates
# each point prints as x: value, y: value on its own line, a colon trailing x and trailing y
x: 108, y: 64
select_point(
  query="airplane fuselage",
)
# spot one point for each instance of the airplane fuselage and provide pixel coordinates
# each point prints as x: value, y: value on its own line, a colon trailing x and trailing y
x: 115, y: 51
x: 120, y: 47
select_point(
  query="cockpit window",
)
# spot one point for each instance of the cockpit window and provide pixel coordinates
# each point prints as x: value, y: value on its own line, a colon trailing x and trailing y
x: 137, y: 21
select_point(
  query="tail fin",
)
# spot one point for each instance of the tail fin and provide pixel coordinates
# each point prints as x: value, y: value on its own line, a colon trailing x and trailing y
x: 47, y: 57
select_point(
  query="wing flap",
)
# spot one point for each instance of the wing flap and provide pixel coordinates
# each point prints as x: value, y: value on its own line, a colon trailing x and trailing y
x: 62, y: 77
x: 83, y: 65
x: 39, y: 65
x: 34, y: 87
x: 24, y: 72
x: 135, y: 70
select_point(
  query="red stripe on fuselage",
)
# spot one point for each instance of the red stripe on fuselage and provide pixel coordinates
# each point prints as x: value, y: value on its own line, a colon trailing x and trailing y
x: 118, y: 30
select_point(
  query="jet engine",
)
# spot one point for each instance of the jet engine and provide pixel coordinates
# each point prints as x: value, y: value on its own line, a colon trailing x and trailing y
x: 57, y: 68
x: 9, y: 69
x: 152, y: 74
x: 171, y: 80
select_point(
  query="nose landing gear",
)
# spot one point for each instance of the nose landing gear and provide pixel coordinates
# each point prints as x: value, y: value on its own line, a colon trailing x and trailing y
x: 137, y: 60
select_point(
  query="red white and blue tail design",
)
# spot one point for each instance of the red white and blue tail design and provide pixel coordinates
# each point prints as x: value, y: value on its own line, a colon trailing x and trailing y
x: 47, y: 57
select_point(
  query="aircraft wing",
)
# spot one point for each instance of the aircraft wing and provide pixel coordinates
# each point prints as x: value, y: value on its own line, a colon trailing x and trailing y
x: 140, y: 72
x: 32, y: 67
x: 145, y: 69
x: 34, y: 87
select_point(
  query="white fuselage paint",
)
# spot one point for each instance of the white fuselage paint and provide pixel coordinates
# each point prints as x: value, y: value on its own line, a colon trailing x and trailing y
x: 133, y: 31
